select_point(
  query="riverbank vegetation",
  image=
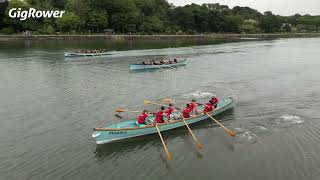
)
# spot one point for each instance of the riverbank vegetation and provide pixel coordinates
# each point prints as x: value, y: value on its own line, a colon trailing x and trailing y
x: 149, y: 17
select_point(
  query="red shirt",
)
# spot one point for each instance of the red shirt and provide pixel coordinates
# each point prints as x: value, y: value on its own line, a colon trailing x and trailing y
x: 142, y: 118
x: 169, y: 111
x: 159, y: 117
x: 208, y: 107
x: 215, y: 100
x: 191, y: 106
x: 186, y: 112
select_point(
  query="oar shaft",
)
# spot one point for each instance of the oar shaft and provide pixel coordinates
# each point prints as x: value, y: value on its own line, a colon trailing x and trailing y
x: 231, y: 133
x: 169, y: 156
x: 119, y: 110
x: 217, y: 122
x: 158, y: 104
x: 133, y: 111
x: 199, y: 145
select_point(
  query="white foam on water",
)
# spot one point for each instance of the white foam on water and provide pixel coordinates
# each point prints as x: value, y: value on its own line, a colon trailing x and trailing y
x: 291, y: 119
x: 245, y: 136
x: 198, y: 94
x: 287, y: 120
x: 261, y: 128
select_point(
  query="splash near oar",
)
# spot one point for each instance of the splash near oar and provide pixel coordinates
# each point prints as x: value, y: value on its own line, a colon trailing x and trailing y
x: 230, y: 132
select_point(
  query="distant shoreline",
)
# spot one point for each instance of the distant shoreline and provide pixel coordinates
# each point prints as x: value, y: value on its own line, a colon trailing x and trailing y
x: 155, y: 37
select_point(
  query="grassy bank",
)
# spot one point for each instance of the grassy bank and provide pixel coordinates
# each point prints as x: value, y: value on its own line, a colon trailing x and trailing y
x: 155, y: 37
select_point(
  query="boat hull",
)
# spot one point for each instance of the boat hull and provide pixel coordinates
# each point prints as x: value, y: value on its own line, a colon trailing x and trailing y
x: 140, y: 66
x: 112, y: 133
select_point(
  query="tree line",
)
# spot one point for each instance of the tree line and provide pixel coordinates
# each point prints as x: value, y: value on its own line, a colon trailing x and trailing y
x: 149, y: 17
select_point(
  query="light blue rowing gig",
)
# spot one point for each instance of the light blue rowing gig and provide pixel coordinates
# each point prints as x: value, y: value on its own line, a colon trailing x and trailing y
x: 129, y: 129
x: 149, y: 66
x: 73, y: 54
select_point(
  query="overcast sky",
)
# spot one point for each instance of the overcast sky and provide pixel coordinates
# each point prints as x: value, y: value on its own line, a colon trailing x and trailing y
x: 281, y: 7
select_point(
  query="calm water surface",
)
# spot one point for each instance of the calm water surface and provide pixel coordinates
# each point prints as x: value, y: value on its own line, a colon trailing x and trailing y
x: 49, y: 105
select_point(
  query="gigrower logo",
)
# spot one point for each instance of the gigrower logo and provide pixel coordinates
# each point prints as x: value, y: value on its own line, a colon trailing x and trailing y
x: 33, y: 13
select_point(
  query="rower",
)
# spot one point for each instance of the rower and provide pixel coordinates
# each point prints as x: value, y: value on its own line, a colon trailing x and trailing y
x: 186, y: 111
x: 208, y: 107
x: 142, y: 118
x: 175, y: 60
x: 193, y: 107
x: 159, y: 116
x: 215, y: 101
x: 169, y: 113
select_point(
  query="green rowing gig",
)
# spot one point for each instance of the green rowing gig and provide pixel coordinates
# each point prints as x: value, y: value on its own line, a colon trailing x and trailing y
x: 129, y: 129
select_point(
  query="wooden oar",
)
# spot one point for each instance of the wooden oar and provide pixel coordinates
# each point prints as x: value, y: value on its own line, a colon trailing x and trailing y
x: 199, y: 145
x: 150, y: 102
x: 168, y: 100
x: 169, y: 156
x: 231, y: 133
x: 124, y: 110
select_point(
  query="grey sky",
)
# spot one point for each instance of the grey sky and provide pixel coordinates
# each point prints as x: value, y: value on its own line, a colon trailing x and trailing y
x: 282, y: 7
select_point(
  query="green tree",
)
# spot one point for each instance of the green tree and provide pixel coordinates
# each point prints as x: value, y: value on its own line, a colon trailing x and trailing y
x: 269, y: 23
x: 15, y: 23
x: 234, y: 24
x: 153, y: 24
x: 250, y: 26
x: 69, y: 21
x: 3, y: 6
x: 97, y: 21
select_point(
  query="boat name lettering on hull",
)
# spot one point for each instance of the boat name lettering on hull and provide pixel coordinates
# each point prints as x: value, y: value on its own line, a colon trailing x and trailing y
x: 117, y: 132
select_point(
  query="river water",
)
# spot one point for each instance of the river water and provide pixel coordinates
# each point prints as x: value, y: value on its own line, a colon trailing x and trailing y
x: 49, y: 105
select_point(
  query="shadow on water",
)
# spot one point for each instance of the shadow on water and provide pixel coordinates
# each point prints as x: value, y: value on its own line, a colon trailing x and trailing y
x: 142, y: 142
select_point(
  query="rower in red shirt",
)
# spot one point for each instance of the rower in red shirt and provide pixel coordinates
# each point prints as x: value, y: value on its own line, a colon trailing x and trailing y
x: 159, y: 116
x: 193, y: 107
x: 142, y: 118
x: 186, y: 111
x: 169, y: 110
x: 208, y: 107
x: 215, y: 101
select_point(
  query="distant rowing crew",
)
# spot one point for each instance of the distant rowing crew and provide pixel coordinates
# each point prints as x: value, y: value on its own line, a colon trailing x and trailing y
x: 91, y: 51
x: 167, y: 114
x: 152, y: 62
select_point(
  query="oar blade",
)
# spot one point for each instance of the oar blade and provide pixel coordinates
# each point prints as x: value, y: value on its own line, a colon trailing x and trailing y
x: 200, y: 146
x: 120, y: 110
x: 169, y: 156
x: 232, y: 133
x: 147, y: 101
x: 168, y: 100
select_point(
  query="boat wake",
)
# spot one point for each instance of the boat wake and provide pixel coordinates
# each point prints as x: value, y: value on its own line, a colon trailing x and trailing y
x: 245, y: 136
x: 198, y: 94
x: 287, y: 120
